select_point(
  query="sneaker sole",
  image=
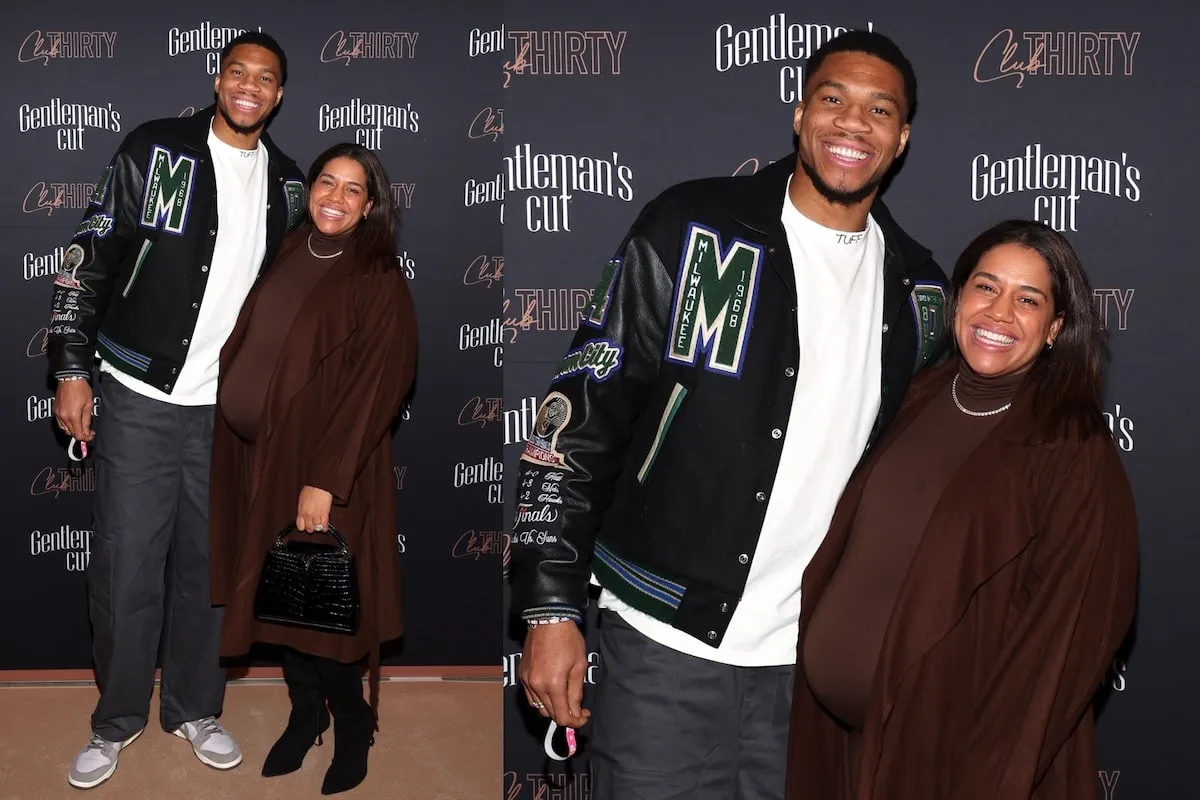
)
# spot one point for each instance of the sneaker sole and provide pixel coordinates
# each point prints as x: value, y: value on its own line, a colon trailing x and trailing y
x: 205, y: 759
x: 111, y: 770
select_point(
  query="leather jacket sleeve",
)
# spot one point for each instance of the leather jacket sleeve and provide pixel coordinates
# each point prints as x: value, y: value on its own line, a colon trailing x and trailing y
x: 92, y: 265
x: 569, y: 468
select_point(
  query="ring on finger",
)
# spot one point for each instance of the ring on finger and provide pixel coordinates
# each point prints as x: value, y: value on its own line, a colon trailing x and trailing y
x: 318, y: 528
x: 538, y: 705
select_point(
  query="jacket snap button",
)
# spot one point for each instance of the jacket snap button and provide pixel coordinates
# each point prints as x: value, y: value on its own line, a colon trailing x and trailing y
x: 712, y: 635
x: 907, y: 281
x: 204, y: 268
x: 724, y: 607
x: 775, y: 434
x: 789, y: 372
x: 743, y: 559
x: 885, y: 327
x: 212, y: 233
x: 760, y: 496
x: 185, y: 341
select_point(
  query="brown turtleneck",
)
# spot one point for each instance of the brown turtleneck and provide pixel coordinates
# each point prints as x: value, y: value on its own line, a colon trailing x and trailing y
x: 244, y: 386
x: 845, y: 631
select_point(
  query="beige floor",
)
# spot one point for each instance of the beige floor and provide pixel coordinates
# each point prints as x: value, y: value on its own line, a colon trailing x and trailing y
x: 438, y: 740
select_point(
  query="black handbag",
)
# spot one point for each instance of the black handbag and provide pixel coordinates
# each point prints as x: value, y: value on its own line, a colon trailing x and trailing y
x: 309, y: 585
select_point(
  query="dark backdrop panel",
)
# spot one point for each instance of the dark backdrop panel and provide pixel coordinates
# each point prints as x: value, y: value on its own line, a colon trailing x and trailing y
x: 663, y: 90
x: 142, y: 60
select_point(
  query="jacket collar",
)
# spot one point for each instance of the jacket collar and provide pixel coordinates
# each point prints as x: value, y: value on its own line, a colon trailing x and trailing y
x: 760, y: 203
x: 199, y: 124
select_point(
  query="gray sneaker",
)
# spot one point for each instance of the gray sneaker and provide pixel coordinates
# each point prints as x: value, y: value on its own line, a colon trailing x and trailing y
x: 97, y: 762
x: 211, y: 743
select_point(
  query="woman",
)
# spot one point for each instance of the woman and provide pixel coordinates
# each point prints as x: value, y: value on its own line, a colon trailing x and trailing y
x: 312, y: 378
x: 980, y: 570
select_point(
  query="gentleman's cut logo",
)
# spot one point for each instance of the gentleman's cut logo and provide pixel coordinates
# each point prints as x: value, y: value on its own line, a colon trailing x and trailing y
x: 168, y: 191
x: 714, y: 301
x: 929, y: 310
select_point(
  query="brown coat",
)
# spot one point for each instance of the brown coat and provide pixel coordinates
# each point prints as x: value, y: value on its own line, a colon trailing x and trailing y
x: 339, y: 383
x: 1018, y: 596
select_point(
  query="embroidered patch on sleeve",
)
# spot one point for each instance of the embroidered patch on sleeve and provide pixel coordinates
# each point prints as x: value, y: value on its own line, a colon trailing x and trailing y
x: 542, y: 445
x: 714, y: 301
x: 293, y: 192
x: 928, y: 302
x: 600, y: 357
x: 71, y: 261
x: 102, y: 187
x: 98, y: 224
x: 597, y: 310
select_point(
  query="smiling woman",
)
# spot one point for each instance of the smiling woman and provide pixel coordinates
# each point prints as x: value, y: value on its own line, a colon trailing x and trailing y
x: 1021, y: 303
x: 980, y: 570
x: 312, y: 378
x: 1005, y: 313
x: 337, y: 199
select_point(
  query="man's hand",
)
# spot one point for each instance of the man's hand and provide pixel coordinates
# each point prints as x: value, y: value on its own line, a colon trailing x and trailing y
x: 552, y: 668
x: 312, y: 509
x: 73, y: 409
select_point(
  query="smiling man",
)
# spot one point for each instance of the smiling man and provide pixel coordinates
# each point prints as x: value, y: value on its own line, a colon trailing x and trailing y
x: 185, y: 217
x: 758, y: 334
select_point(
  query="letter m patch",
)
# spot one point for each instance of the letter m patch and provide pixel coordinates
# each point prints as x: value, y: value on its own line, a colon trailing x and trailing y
x: 714, y: 301
x: 168, y: 196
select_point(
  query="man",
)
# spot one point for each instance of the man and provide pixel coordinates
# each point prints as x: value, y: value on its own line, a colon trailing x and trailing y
x: 185, y: 217
x: 751, y: 339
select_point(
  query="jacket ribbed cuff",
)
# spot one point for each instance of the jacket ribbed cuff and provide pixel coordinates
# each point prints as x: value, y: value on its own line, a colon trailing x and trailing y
x: 532, y: 615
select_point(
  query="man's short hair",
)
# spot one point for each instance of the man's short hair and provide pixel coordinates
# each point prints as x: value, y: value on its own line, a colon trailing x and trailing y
x: 259, y: 39
x: 873, y: 44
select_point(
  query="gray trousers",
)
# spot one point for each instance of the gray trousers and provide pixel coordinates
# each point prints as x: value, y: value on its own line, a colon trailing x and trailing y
x: 669, y: 726
x: 148, y: 579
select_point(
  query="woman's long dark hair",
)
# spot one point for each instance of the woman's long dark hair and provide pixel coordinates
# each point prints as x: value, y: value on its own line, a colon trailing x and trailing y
x: 375, y: 237
x: 1069, y: 376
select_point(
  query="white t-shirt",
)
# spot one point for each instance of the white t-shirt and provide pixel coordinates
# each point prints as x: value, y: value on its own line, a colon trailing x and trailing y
x: 240, y: 247
x: 839, y: 289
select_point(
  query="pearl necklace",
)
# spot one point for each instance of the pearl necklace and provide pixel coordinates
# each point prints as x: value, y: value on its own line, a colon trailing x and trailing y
x: 318, y: 255
x: 968, y: 412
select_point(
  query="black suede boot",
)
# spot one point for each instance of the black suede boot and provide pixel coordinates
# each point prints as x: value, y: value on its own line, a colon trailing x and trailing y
x: 309, y: 717
x: 353, y: 725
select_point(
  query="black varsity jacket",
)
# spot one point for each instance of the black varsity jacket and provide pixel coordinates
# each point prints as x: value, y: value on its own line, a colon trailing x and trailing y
x: 655, y: 450
x: 135, y: 271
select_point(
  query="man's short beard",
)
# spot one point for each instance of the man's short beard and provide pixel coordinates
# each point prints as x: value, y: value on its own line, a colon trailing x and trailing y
x: 241, y: 130
x: 837, y: 196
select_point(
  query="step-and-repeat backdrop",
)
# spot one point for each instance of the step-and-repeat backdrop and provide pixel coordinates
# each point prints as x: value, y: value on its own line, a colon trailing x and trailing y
x: 404, y: 80
x: 1078, y: 113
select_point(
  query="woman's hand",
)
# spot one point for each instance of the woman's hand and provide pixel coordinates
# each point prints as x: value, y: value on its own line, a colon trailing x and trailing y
x: 312, y: 510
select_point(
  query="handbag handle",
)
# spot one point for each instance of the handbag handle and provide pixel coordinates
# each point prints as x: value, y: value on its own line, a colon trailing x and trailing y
x: 279, y: 537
